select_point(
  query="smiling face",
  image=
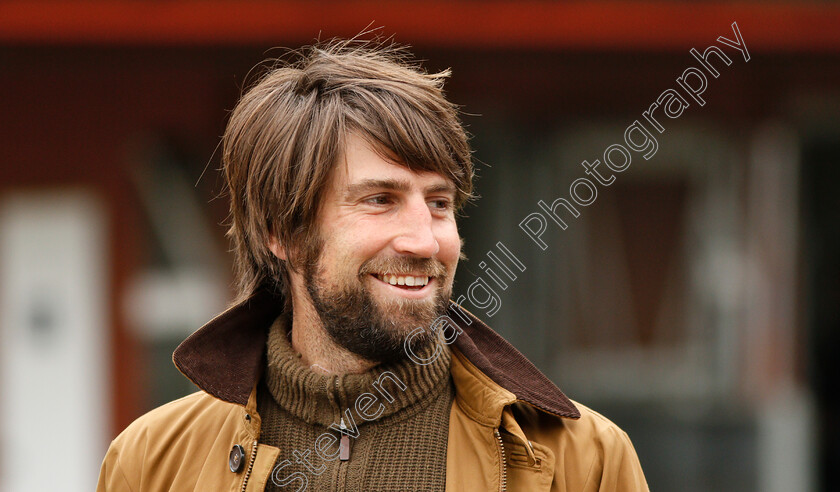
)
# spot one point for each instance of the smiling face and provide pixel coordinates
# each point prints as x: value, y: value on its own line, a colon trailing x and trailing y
x: 389, y: 250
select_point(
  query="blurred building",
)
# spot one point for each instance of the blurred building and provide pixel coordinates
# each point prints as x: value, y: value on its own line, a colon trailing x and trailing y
x: 695, y: 301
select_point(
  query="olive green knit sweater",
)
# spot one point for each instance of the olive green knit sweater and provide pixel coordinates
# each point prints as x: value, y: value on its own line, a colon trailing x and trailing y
x: 396, y: 419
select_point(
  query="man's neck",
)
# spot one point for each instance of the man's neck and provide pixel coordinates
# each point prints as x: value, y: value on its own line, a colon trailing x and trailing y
x: 318, y: 350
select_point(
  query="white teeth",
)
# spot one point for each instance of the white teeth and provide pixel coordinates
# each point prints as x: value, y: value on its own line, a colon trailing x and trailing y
x: 407, y: 280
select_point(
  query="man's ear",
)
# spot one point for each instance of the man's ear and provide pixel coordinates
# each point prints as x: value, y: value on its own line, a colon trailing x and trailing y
x: 277, y: 248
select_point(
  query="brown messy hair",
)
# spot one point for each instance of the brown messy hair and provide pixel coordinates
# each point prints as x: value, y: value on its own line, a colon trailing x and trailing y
x: 287, y: 132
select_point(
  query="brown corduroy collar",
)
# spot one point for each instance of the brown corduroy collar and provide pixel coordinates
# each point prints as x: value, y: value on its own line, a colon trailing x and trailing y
x: 225, y: 356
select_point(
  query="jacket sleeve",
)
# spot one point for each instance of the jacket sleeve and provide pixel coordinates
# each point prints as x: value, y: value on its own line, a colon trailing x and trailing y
x: 621, y: 470
x: 111, y: 477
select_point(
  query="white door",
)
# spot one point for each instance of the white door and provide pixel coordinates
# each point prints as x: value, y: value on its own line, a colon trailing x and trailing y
x: 54, y: 398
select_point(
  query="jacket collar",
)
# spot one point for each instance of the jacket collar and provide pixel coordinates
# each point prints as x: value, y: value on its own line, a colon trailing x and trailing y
x: 225, y: 356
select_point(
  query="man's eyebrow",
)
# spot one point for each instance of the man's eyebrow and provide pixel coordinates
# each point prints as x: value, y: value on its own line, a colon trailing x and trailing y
x: 368, y: 185
x: 446, y: 187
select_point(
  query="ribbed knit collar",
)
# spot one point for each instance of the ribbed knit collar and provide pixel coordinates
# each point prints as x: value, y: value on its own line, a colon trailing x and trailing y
x: 319, y: 398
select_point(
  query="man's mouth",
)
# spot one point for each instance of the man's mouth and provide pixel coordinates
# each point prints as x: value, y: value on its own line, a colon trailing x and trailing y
x: 408, y: 282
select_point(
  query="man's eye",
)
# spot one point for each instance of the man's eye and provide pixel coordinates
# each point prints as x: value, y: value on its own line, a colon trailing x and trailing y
x: 441, y: 204
x: 378, y: 200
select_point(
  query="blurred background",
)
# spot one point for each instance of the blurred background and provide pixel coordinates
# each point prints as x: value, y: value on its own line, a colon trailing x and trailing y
x: 696, y: 303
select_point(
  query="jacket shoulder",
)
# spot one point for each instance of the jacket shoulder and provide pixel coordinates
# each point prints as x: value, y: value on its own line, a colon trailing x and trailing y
x: 192, y: 413
x: 590, y: 453
x: 591, y: 426
x: 173, y: 436
x: 597, y: 427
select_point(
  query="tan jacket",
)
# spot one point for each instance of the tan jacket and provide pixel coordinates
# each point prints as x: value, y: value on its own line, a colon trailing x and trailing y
x: 510, y: 428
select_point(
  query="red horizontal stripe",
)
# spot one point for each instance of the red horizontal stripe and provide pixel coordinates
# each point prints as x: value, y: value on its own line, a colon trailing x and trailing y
x: 530, y: 24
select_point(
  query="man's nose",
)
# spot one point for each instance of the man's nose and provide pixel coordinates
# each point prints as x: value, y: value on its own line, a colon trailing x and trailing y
x: 416, y: 236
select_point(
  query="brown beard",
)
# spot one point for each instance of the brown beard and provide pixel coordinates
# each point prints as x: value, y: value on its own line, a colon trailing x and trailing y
x: 354, y: 320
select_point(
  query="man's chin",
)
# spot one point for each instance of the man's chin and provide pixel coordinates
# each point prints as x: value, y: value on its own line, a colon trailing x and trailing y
x: 394, y: 350
x: 375, y: 327
x: 383, y: 340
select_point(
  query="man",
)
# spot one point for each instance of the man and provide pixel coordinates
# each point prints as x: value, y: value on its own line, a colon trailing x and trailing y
x: 344, y: 365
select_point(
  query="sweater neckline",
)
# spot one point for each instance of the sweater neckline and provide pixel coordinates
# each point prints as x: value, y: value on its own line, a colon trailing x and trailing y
x: 318, y: 398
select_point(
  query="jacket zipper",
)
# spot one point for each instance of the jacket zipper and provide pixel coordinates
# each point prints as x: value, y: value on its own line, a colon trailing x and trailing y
x: 250, y: 465
x: 344, y: 445
x: 343, y: 439
x: 504, y: 468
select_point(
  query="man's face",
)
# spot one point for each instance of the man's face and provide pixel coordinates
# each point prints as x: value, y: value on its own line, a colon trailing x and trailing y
x: 390, y: 247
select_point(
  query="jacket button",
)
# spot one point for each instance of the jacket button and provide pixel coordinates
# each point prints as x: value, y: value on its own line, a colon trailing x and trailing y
x: 237, y: 458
